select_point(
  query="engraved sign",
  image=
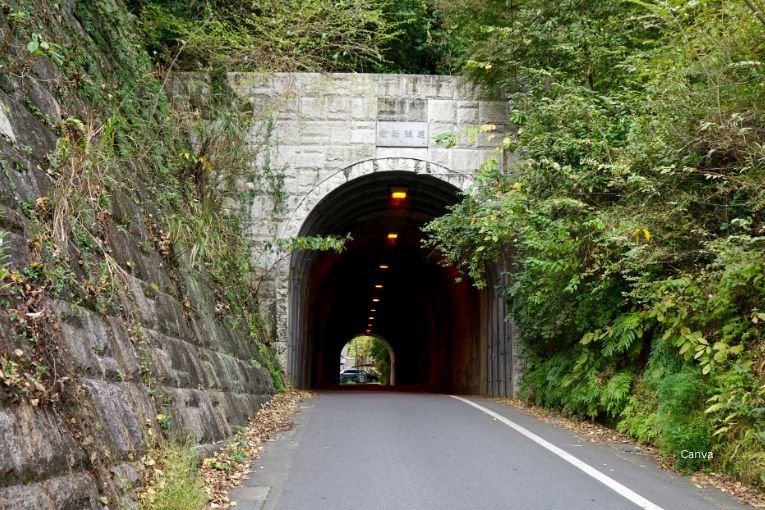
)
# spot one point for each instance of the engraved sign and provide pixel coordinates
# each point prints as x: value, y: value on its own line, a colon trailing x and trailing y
x: 402, y: 134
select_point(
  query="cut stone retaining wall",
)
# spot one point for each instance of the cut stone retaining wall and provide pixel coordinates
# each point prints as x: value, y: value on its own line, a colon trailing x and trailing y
x: 167, y: 351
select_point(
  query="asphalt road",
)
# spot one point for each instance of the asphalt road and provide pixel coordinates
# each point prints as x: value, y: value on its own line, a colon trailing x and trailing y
x: 398, y: 451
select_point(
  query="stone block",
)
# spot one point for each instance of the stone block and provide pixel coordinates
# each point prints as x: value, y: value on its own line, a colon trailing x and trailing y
x: 441, y: 110
x: 313, y: 108
x: 307, y: 180
x: 33, y: 445
x: 402, y: 152
x: 310, y: 157
x: 360, y: 153
x: 194, y: 413
x: 465, y: 88
x: 363, y: 132
x: 417, y: 85
x: 123, y: 408
x: 402, y: 109
x: 463, y: 160
x: 285, y: 154
x: 287, y: 107
x: 77, y: 491
x: 442, y: 87
x: 96, y: 347
x: 492, y: 112
x: 336, y: 154
x: 338, y: 107
x: 390, y: 85
x: 6, y: 129
x: 439, y: 156
x: 264, y: 105
x: 363, y: 108
x: 286, y: 132
x: 314, y: 132
x: 340, y: 133
x: 467, y: 112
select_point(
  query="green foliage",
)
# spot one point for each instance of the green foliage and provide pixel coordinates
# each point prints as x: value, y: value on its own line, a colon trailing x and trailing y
x: 630, y: 222
x: 268, y: 35
x: 276, y: 374
x: 40, y: 47
x: 316, y: 243
x: 378, y: 351
x: 680, y: 420
x: 174, y: 482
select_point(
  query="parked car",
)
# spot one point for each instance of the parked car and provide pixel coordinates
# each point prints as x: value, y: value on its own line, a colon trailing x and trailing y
x: 357, y: 376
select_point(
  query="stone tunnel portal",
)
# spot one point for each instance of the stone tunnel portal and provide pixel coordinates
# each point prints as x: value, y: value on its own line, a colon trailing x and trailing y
x: 385, y: 283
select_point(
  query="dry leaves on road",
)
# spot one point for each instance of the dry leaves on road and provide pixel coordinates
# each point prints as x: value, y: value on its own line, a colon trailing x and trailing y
x: 230, y: 468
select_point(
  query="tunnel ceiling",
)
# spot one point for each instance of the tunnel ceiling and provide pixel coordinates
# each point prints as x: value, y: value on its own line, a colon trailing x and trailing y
x: 428, y: 319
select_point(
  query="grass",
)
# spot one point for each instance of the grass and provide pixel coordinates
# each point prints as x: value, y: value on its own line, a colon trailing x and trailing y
x: 172, y: 479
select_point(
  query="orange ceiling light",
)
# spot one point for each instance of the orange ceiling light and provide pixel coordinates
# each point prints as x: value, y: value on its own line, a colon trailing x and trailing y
x: 378, y: 286
x: 373, y: 310
x: 393, y: 236
x: 398, y: 193
x: 384, y: 266
x: 375, y: 300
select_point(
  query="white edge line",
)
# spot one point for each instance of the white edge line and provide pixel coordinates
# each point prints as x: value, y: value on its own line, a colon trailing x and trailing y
x: 597, y: 475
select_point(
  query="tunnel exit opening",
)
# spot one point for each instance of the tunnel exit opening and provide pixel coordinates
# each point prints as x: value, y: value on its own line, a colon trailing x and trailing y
x: 367, y: 359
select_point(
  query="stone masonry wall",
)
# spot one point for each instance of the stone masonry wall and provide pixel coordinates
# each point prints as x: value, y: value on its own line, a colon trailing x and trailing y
x: 162, y: 349
x: 324, y: 133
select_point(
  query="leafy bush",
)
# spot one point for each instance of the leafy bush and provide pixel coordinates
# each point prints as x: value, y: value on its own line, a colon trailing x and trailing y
x: 267, y: 35
x: 630, y: 221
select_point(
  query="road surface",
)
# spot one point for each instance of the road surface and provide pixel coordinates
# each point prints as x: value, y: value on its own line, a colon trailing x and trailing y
x: 406, y: 451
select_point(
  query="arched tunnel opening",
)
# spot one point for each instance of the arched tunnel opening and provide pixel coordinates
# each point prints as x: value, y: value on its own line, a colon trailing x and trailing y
x: 386, y: 284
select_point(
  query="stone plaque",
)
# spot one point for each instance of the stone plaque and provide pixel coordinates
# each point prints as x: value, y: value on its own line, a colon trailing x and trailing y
x: 402, y: 134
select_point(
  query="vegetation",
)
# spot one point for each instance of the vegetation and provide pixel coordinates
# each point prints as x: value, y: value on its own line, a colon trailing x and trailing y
x: 171, y: 480
x: 297, y: 35
x: 632, y: 214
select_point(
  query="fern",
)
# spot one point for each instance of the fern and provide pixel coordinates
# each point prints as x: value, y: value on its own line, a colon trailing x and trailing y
x: 621, y: 335
x: 616, y: 393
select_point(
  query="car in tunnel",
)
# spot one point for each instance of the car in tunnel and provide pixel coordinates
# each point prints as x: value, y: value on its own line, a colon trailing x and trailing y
x: 356, y: 376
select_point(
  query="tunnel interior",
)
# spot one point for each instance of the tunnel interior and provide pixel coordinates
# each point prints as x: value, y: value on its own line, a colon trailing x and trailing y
x: 385, y: 283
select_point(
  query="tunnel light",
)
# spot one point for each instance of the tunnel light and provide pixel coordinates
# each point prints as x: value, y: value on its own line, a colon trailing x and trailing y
x: 375, y: 300
x: 384, y: 266
x: 371, y: 318
x: 373, y: 310
x: 378, y: 286
x: 398, y: 193
x: 393, y: 235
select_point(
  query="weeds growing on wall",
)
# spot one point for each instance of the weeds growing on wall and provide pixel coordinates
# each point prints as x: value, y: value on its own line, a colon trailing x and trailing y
x: 633, y: 217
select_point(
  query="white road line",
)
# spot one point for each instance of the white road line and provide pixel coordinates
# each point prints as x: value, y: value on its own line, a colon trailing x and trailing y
x: 605, y: 480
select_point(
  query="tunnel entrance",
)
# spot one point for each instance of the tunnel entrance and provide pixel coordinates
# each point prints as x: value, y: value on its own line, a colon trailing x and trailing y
x: 386, y: 284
